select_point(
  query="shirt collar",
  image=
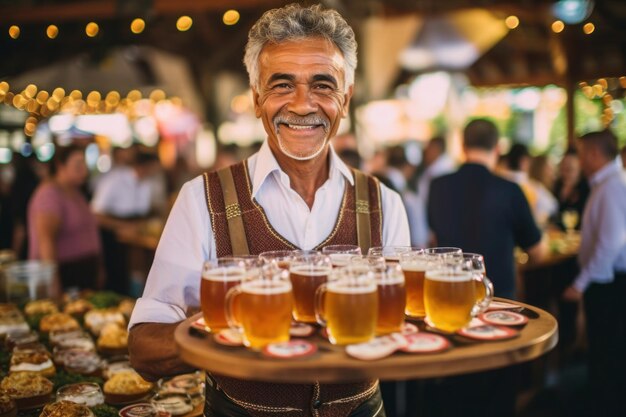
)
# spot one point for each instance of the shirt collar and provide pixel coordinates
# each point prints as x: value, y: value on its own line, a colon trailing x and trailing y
x: 266, y: 164
x: 604, y: 173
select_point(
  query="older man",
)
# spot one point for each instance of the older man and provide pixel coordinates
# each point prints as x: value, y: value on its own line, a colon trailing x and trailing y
x: 602, y: 278
x: 294, y: 193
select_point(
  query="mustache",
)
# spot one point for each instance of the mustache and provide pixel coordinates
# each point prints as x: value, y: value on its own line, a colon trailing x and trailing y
x: 291, y: 119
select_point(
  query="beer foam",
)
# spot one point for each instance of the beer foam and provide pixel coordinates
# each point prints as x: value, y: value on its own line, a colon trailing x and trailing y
x: 340, y: 259
x: 225, y: 274
x: 266, y: 287
x: 391, y: 280
x: 448, y: 276
x: 309, y: 270
x: 346, y: 288
x: 414, y: 266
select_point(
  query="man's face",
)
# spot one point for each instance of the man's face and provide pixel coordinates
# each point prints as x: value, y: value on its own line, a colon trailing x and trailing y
x: 586, y: 156
x: 301, y: 96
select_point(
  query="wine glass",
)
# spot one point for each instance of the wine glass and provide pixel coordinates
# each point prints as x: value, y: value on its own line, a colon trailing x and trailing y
x: 569, y: 218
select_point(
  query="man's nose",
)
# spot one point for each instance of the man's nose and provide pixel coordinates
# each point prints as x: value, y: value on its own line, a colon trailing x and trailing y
x: 302, y: 102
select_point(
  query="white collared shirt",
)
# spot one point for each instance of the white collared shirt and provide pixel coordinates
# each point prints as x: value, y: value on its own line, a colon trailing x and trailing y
x: 173, y: 284
x: 603, y: 241
x: 121, y: 193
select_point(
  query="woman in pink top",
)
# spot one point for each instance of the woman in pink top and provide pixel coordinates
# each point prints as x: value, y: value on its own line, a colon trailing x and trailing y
x: 61, y: 227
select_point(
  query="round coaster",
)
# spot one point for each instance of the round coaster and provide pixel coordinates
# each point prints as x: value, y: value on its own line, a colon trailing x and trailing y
x: 377, y: 348
x: 200, y: 325
x: 409, y: 328
x: 425, y: 343
x: 301, y: 330
x: 503, y: 317
x: 488, y: 332
x: 292, y: 349
x: 228, y: 337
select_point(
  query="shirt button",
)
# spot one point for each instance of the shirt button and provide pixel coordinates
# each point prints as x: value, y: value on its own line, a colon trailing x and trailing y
x: 317, y: 404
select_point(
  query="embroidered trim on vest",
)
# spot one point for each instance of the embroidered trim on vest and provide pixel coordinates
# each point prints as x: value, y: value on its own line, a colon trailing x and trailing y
x: 233, y: 210
x: 207, y: 193
x: 363, y: 206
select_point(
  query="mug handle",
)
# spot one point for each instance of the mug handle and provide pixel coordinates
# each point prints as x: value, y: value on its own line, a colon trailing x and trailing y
x: 229, y: 307
x: 319, y: 305
x: 482, y: 305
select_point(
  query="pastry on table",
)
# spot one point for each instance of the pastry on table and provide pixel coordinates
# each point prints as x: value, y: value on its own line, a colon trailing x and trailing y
x: 113, y: 340
x: 58, y: 322
x: 27, y: 389
x: 36, y: 307
x: 82, y: 362
x: 12, y: 321
x: 126, y: 387
x: 32, y: 360
x: 85, y: 393
x: 8, y: 408
x: 96, y: 319
x: 78, y: 307
x: 66, y: 409
x: 21, y: 339
x: 126, y: 306
x: 71, y: 339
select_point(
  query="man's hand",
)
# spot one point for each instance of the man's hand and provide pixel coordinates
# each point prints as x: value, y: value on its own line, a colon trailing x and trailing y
x: 572, y: 294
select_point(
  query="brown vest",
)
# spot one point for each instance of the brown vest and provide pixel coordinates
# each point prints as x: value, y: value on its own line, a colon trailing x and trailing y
x: 241, y: 227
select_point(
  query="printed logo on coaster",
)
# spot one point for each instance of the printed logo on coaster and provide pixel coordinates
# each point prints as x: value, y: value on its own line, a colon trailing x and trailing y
x: 228, y: 337
x: 503, y: 317
x: 377, y: 348
x: 301, y: 329
x: 292, y: 349
x: 488, y: 332
x: 501, y: 305
x: 409, y: 328
x: 425, y: 343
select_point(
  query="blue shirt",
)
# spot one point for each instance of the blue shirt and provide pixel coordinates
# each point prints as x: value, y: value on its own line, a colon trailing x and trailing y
x: 603, y: 244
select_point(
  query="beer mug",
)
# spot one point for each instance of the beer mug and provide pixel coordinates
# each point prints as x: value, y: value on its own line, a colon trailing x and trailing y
x: 475, y: 263
x: 340, y: 254
x: 282, y: 258
x: 414, y: 264
x: 307, y: 271
x: 391, y: 298
x: 260, y: 307
x: 450, y: 297
x: 390, y: 253
x: 218, y: 276
x: 348, y: 306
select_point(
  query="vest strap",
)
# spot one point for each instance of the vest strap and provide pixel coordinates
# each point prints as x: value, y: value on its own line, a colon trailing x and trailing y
x: 236, y: 229
x: 363, y: 229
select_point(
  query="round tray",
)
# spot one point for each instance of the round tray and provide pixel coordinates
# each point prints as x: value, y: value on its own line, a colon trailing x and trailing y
x: 332, y: 364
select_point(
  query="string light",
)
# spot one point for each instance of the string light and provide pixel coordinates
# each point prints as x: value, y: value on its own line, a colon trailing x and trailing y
x: 511, y: 22
x: 137, y: 26
x: 589, y: 28
x: 14, y: 31
x: 231, y: 17
x: 92, y: 29
x: 52, y: 31
x: 558, y: 26
x: 184, y: 23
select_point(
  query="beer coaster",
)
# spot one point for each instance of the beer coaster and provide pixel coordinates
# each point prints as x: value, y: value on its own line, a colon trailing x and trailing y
x: 377, y: 348
x: 425, y: 343
x: 488, y: 332
x: 293, y: 349
x: 228, y: 337
x: 409, y: 328
x: 503, y: 317
x: 501, y: 305
x: 301, y: 329
x: 200, y: 325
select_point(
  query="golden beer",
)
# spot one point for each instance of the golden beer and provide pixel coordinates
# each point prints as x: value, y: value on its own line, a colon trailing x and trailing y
x: 213, y: 288
x: 351, y: 312
x: 414, y: 278
x: 305, y: 280
x: 449, y: 298
x: 391, y: 305
x: 264, y: 311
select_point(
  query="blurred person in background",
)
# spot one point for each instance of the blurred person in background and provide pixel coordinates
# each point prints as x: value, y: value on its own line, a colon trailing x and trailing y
x: 435, y: 163
x: 542, y: 170
x: 7, y: 175
x: 61, y: 227
x: 540, y: 199
x: 601, y: 282
x: 123, y: 195
x: 570, y: 188
x: 622, y: 155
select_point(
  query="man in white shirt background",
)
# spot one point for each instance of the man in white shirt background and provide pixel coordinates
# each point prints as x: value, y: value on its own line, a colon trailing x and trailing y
x: 602, y: 278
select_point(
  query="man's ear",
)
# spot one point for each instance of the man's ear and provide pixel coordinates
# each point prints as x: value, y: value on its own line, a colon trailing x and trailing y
x: 255, y: 101
x: 346, y: 101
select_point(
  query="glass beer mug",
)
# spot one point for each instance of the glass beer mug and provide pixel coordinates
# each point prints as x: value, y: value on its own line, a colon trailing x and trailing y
x: 260, y: 307
x: 307, y: 272
x: 348, y: 306
x: 218, y: 276
x: 450, y: 296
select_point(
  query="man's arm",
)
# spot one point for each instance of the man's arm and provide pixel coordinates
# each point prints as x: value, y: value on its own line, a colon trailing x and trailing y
x: 153, y: 352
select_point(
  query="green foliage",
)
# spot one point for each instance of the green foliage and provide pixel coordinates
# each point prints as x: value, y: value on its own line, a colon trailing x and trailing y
x: 64, y: 378
x: 105, y: 299
x: 105, y: 410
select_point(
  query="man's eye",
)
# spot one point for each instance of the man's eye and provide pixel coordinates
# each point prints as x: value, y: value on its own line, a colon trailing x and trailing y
x: 281, y: 86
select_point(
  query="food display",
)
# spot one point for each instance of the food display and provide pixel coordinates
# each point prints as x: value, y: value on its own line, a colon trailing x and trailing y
x: 95, y: 320
x: 11, y: 320
x: 78, y: 307
x: 85, y: 393
x: 27, y: 389
x: 126, y: 387
x: 33, y: 308
x: 175, y: 403
x: 8, y: 408
x: 32, y: 360
x: 113, y: 339
x: 66, y: 409
x: 58, y: 322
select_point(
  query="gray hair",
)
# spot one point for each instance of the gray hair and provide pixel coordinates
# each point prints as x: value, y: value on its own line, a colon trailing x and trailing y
x: 294, y: 22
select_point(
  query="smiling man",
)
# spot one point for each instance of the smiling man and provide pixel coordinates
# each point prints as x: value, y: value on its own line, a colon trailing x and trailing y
x: 295, y: 193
